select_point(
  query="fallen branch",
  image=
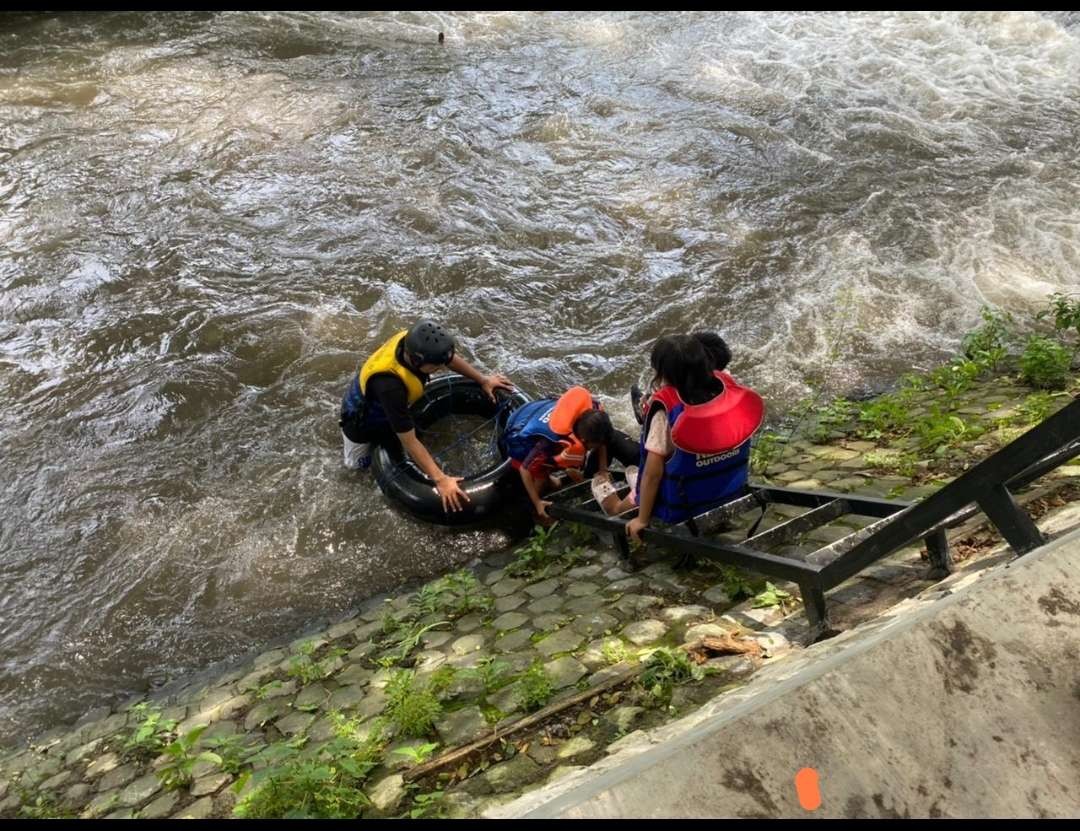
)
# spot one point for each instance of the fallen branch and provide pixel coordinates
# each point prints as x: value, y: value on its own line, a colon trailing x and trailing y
x: 725, y: 645
x: 452, y: 756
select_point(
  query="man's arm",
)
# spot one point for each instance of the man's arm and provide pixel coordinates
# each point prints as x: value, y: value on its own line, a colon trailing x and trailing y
x: 490, y: 383
x: 391, y: 394
x: 453, y: 497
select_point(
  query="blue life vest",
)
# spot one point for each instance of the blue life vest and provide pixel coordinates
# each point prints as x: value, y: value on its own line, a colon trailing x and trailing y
x: 527, y: 424
x: 711, y: 462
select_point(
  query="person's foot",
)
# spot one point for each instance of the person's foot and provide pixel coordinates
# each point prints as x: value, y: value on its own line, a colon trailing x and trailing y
x: 356, y: 456
x: 604, y: 492
x: 635, y: 401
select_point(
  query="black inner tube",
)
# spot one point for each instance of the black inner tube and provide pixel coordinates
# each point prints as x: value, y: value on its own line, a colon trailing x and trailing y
x: 462, y: 398
x: 402, y: 480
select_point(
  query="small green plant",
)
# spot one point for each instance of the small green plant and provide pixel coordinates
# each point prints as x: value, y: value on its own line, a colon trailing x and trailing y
x: 534, y: 688
x: 454, y: 595
x: 906, y: 465
x: 580, y: 534
x: 802, y: 408
x: 911, y: 383
x: 664, y: 669
x: 440, y: 680
x: 957, y: 376
x: 152, y: 731
x: 360, y: 738
x: 471, y: 601
x: 390, y: 623
x: 183, y: 756
x: 880, y: 459
x: 411, y: 705
x: 988, y: 345
x: 737, y: 583
x: 305, y: 669
x: 836, y: 416
x: 327, y: 784
x: 763, y: 452
x: 232, y: 750
x: 304, y: 789
x: 1065, y: 311
x: 887, y: 414
x: 491, y: 672
x: 534, y: 554
x: 418, y: 754
x: 428, y: 805
x: 615, y: 651
x: 771, y: 597
x: 263, y: 692
x: 1045, y: 363
x: 429, y: 599
x: 408, y: 639
x: 1035, y: 408
x: 892, y: 461
x: 466, y: 594
x: 38, y: 806
x: 938, y: 429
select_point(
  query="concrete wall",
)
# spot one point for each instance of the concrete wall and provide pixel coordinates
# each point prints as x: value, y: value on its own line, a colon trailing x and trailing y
x: 964, y: 702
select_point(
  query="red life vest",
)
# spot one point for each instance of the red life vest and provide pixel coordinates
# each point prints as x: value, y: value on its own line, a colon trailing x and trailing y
x: 710, y: 465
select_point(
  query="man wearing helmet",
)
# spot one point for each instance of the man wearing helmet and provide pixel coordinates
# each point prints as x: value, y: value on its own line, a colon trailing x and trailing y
x: 375, y: 409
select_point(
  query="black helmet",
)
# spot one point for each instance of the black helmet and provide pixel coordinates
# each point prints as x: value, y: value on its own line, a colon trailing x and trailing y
x: 430, y: 342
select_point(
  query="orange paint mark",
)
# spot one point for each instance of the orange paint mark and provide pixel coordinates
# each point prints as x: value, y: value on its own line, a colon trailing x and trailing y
x: 806, y: 786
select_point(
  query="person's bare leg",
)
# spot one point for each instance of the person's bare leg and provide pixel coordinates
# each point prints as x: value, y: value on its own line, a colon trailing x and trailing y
x: 607, y: 496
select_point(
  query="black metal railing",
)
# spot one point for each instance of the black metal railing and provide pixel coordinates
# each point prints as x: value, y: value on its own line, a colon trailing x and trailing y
x: 986, y: 487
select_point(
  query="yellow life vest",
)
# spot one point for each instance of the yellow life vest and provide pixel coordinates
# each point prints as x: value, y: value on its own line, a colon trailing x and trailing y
x: 384, y: 362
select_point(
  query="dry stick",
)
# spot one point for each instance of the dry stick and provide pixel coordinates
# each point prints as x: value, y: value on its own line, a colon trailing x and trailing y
x: 729, y: 645
x: 452, y: 756
x: 528, y: 721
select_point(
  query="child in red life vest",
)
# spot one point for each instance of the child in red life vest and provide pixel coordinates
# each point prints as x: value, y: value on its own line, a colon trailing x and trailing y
x: 695, y: 447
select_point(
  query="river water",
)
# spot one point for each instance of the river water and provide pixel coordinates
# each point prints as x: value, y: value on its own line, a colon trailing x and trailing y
x: 206, y: 220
